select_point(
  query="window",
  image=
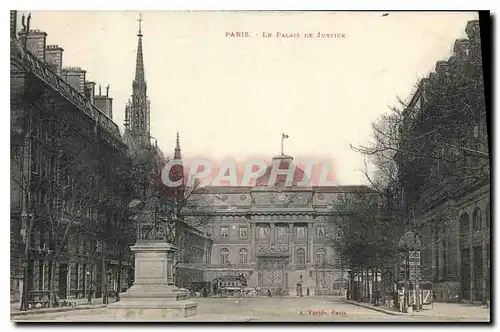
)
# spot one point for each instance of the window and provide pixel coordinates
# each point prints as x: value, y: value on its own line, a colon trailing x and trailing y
x: 445, y: 255
x: 320, y: 232
x: 243, y: 256
x: 300, y: 257
x: 224, y: 232
x: 476, y: 219
x: 300, y: 232
x: 476, y: 131
x: 487, y: 220
x: 281, y: 232
x: 224, y: 256
x: 243, y: 232
x: 263, y: 232
x: 320, y: 256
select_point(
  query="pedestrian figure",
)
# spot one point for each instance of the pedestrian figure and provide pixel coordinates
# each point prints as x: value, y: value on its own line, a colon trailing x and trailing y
x: 269, y: 293
x: 307, y: 291
x: 401, y: 298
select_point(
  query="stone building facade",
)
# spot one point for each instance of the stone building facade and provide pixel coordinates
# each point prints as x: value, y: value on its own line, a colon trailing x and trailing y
x: 275, y: 236
x: 449, y: 188
x: 63, y: 148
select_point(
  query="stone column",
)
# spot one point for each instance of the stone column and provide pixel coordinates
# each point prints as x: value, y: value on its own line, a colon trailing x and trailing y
x: 310, y: 243
x: 433, y: 253
x: 472, y: 267
x: 459, y: 252
x: 442, y: 272
x: 253, y: 249
x: 68, y: 281
x: 291, y: 245
x: 485, y: 268
x: 271, y: 234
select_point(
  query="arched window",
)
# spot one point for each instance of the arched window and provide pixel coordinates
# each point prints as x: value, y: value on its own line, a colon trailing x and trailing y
x: 300, y: 257
x: 487, y: 219
x: 243, y: 256
x: 320, y: 256
x: 476, y: 219
x: 320, y: 232
x: 224, y: 256
x: 464, y: 227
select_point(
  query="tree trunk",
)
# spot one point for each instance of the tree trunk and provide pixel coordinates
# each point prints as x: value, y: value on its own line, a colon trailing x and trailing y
x: 89, y: 282
x: 51, y: 282
x: 25, y: 297
x: 368, y: 288
x: 104, y: 281
x: 119, y: 277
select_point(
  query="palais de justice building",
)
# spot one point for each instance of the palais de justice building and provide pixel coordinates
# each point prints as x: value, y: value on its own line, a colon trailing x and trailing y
x: 275, y: 235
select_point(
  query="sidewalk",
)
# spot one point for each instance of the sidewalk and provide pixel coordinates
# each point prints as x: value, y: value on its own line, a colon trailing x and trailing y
x: 81, y: 304
x: 439, y: 309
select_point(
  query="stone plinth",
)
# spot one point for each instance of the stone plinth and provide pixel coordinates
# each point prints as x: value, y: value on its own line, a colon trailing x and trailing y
x: 153, y: 295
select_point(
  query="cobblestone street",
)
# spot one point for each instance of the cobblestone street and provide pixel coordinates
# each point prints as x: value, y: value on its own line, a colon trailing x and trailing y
x: 283, y: 310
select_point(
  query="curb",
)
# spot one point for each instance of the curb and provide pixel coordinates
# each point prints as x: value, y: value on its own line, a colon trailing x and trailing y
x: 385, y: 311
x: 56, y: 310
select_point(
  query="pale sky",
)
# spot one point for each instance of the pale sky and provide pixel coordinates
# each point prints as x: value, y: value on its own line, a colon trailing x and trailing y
x: 233, y: 97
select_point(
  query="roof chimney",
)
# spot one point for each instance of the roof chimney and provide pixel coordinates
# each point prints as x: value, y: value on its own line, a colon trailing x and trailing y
x: 35, y: 42
x: 53, y: 57
x: 90, y: 91
x: 104, y: 103
x: 13, y: 24
x: 75, y: 76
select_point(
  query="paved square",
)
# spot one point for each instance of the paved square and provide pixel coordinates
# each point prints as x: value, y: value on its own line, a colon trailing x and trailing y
x: 289, y: 309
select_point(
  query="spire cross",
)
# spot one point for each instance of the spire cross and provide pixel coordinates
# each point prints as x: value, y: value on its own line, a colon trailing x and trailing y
x: 140, y: 24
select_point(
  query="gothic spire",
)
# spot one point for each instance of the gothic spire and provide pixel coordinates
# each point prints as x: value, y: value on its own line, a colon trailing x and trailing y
x: 137, y: 113
x: 139, y: 64
x: 177, y: 151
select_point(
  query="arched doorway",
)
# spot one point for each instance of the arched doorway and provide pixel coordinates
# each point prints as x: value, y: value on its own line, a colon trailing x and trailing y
x: 272, y: 266
x: 465, y: 273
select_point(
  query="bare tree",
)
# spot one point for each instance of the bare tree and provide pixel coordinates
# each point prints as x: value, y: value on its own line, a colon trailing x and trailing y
x: 425, y: 150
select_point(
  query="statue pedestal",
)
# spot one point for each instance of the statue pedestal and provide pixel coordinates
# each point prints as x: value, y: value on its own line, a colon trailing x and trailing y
x: 153, y: 296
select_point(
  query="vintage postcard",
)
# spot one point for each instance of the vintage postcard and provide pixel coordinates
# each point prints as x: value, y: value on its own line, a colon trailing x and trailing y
x: 250, y: 166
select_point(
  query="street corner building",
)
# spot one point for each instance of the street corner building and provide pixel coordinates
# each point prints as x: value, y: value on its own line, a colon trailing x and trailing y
x: 64, y: 145
x: 276, y: 236
x: 448, y: 190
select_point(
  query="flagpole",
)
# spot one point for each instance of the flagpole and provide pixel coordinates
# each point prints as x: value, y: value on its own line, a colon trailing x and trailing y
x: 282, y: 140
